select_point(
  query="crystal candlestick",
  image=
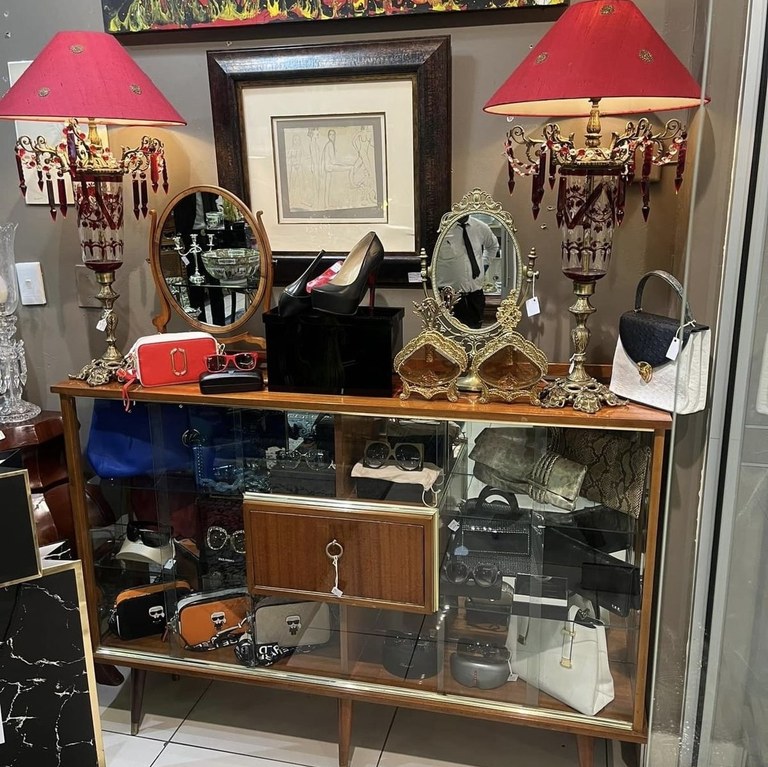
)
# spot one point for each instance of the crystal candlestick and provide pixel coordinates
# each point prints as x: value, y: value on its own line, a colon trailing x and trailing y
x: 13, y: 364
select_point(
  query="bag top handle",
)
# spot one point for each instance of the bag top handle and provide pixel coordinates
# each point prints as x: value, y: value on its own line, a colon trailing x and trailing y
x: 672, y: 281
x: 489, y: 493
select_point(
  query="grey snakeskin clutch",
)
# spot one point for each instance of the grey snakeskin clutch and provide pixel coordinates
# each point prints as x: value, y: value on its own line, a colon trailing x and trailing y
x: 617, y: 466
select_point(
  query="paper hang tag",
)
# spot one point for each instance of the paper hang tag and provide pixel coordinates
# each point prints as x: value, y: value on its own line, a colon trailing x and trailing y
x: 573, y: 365
x: 185, y: 261
x: 101, y: 325
x: 336, y: 591
x: 674, y: 349
x: 532, y: 307
x: 454, y: 525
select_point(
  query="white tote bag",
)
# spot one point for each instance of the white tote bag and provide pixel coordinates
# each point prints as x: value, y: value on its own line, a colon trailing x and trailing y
x: 659, y: 363
x: 565, y: 659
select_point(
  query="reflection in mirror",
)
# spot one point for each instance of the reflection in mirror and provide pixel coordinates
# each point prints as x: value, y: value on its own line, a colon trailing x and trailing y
x: 211, y: 260
x: 476, y: 262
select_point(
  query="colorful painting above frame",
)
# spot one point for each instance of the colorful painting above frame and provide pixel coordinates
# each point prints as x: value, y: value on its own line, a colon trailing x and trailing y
x: 142, y: 16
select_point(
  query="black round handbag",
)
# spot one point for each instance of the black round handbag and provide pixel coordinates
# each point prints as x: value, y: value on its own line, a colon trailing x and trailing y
x: 409, y: 656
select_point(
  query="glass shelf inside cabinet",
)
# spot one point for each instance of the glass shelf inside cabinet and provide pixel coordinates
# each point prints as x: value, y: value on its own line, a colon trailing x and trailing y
x: 521, y: 658
x: 539, y: 523
x: 396, y: 649
x: 357, y: 458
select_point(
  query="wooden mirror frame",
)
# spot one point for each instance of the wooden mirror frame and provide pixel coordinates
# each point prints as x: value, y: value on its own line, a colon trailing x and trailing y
x: 169, y: 306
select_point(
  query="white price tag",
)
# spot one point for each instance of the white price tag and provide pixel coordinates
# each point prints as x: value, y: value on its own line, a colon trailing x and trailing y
x: 573, y: 365
x: 674, y: 349
x: 185, y: 261
x: 454, y: 525
x: 336, y: 591
x: 532, y: 307
x: 2, y: 732
x: 101, y: 325
x: 414, y: 276
x: 2, y: 435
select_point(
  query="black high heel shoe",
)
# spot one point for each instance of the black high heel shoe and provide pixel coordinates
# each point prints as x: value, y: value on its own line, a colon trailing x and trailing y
x: 295, y: 299
x: 342, y: 294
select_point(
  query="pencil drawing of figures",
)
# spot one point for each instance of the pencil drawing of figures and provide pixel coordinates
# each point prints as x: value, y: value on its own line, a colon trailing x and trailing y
x: 331, y: 167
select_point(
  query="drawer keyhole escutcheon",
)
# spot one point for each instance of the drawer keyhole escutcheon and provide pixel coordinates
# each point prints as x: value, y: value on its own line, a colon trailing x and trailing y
x: 334, y: 551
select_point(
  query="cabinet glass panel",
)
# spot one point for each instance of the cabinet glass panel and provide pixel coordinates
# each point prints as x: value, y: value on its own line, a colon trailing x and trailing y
x: 528, y: 539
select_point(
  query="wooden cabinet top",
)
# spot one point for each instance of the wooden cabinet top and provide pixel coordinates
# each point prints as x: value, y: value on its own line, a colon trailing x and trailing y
x: 634, y: 417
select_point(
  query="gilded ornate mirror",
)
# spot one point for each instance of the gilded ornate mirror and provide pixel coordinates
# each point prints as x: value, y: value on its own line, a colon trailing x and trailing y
x: 211, y: 262
x: 476, y: 263
x: 474, y: 286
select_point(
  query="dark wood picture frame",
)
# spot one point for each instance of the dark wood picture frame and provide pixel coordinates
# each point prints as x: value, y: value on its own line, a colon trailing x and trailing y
x: 426, y: 62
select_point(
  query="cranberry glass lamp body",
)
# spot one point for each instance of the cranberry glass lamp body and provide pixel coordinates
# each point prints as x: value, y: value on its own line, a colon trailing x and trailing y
x: 99, y: 203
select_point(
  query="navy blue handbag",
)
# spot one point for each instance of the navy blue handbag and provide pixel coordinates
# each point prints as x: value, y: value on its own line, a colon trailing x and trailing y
x: 120, y: 444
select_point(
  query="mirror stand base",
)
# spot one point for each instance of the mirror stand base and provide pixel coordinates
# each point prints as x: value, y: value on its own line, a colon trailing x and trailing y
x: 470, y: 382
x: 588, y: 395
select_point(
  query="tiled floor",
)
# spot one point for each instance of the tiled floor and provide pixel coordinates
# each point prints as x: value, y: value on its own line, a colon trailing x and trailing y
x: 194, y: 723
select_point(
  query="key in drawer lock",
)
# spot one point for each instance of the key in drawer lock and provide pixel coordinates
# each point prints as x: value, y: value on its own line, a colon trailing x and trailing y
x: 335, y: 551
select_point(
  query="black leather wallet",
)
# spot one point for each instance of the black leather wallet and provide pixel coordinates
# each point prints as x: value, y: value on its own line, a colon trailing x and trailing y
x: 616, y: 587
x: 567, y: 557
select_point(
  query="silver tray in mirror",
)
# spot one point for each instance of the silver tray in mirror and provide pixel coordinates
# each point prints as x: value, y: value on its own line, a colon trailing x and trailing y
x: 211, y: 263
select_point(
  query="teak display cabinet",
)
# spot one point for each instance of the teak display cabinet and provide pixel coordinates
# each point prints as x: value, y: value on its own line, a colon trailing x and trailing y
x: 391, y: 574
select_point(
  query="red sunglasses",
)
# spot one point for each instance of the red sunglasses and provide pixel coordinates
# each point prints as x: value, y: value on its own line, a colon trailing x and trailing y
x: 240, y: 361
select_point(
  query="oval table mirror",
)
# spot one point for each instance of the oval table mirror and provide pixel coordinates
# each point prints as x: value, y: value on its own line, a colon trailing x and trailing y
x: 474, y: 285
x: 211, y: 263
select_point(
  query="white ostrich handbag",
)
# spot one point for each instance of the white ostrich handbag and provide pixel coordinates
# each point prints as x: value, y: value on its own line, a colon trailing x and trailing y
x: 565, y: 659
x: 659, y: 363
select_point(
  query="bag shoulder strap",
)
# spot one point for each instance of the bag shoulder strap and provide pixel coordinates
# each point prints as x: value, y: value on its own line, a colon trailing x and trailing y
x: 672, y: 281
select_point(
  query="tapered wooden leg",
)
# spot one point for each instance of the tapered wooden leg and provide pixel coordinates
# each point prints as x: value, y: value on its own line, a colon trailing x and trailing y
x: 345, y: 731
x: 138, y: 679
x: 586, y: 749
x: 630, y: 753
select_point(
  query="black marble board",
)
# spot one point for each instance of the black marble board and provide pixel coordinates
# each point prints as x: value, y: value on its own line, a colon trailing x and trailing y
x: 45, y: 694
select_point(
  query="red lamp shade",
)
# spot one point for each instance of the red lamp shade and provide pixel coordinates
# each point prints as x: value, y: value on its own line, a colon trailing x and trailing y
x: 599, y: 49
x: 87, y: 74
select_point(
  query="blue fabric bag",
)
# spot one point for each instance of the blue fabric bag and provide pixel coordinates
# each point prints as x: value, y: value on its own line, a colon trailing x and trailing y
x: 120, y: 444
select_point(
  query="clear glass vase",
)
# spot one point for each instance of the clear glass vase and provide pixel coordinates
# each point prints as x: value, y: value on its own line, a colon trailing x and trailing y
x: 13, y: 364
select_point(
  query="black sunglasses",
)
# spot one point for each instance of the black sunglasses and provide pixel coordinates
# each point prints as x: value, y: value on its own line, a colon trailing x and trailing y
x: 478, y: 648
x: 149, y: 533
x: 484, y: 575
x: 317, y: 460
x: 409, y: 456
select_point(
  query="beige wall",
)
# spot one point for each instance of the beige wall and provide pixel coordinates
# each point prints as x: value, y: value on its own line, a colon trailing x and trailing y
x: 61, y: 336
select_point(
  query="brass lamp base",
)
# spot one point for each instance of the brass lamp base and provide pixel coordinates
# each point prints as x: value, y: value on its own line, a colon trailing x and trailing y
x: 97, y: 372
x: 103, y: 370
x: 578, y: 388
x: 587, y: 396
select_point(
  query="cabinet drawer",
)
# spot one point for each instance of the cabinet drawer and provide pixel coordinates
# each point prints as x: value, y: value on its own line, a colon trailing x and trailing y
x: 389, y: 558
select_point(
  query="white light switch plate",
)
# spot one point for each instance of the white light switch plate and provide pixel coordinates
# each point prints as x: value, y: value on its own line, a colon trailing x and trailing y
x: 31, y: 288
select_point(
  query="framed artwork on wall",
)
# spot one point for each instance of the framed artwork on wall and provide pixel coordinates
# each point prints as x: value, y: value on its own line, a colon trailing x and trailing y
x: 130, y: 16
x: 333, y: 141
